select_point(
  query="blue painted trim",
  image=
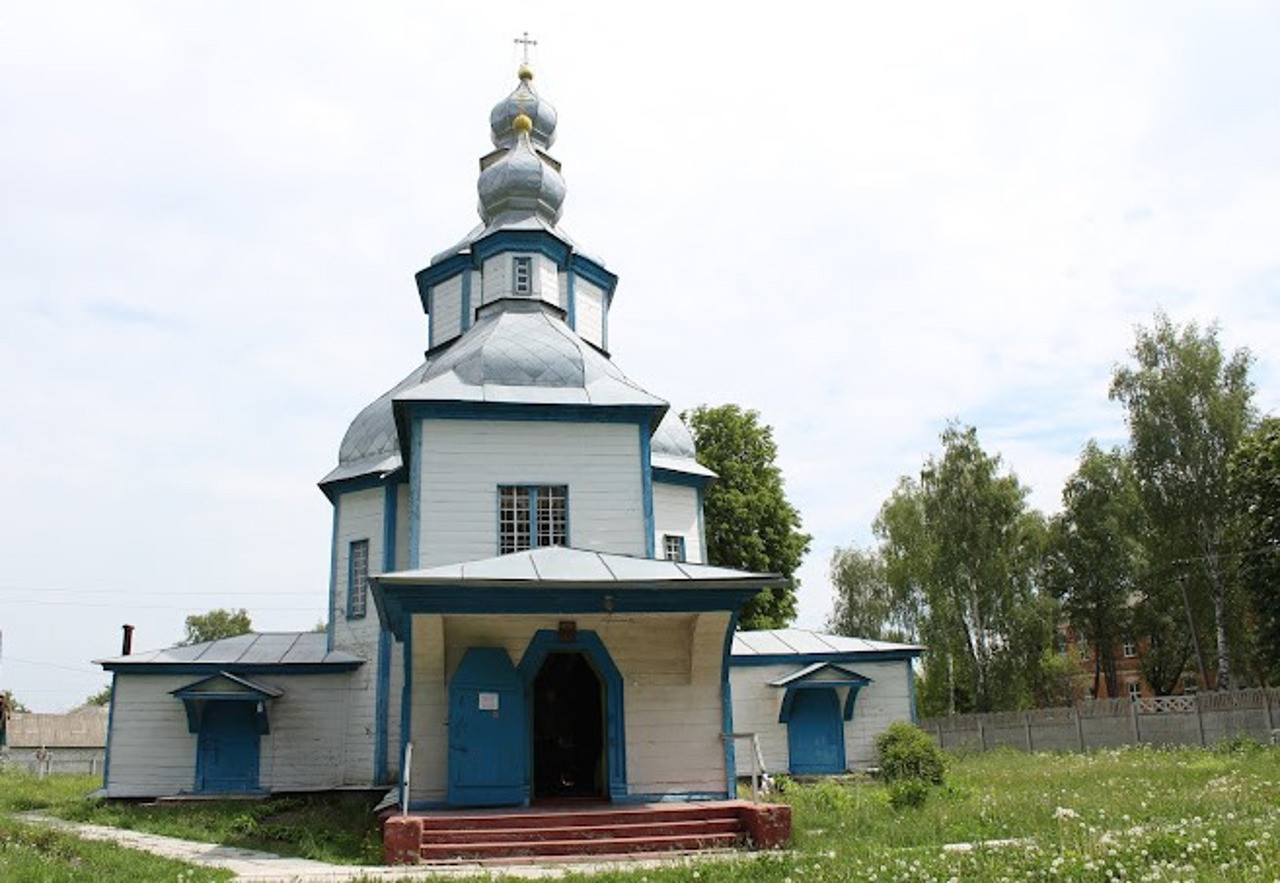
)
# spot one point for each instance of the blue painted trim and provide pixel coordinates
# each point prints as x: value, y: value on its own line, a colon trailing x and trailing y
x: 552, y: 413
x: 673, y: 797
x: 466, y: 317
x: 532, y: 241
x: 597, y: 275
x: 333, y: 577
x: 726, y: 710
x: 353, y: 484
x: 431, y: 317
x: 111, y: 724
x: 572, y: 307
x: 849, y: 699
x: 702, y: 526
x: 381, y: 707
x: 587, y: 642
x: 684, y: 479
x: 911, y: 687
x: 604, y: 324
x: 681, y: 552
x: 797, y: 658
x: 390, y: 512
x: 351, y: 574
x: 789, y: 698
x: 415, y: 491
x: 205, y: 668
x: 406, y: 699
x: 436, y: 273
x: 646, y: 487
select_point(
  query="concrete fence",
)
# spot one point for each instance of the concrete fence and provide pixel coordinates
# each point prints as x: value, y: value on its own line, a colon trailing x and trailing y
x: 53, y: 761
x: 1196, y: 719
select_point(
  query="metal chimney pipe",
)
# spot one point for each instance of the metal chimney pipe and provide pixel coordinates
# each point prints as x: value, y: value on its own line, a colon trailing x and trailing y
x: 126, y: 646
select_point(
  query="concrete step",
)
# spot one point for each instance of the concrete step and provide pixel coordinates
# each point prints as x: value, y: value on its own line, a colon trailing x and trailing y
x: 556, y: 829
x: 600, y: 846
x: 533, y: 818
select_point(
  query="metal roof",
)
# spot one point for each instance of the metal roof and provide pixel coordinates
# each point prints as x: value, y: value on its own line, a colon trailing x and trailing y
x: 563, y: 565
x: 255, y: 648
x: 85, y: 727
x: 780, y: 642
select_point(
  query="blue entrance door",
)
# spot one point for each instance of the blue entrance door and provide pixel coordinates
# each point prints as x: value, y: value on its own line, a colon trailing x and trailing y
x: 228, y: 747
x: 488, y: 747
x: 815, y: 732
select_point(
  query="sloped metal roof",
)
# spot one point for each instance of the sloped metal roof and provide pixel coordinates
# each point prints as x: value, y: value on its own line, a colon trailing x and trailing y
x: 84, y: 727
x: 780, y: 642
x: 255, y: 648
x: 563, y: 565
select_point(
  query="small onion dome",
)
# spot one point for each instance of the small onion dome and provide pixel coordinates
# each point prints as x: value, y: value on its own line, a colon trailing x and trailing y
x: 523, y: 101
x: 521, y: 181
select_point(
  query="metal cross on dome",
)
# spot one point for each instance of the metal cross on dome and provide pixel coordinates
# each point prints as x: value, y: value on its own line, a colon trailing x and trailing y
x: 525, y: 42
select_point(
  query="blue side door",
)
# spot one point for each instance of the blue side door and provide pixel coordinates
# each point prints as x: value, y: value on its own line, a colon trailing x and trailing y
x: 228, y: 747
x: 815, y: 732
x: 488, y: 739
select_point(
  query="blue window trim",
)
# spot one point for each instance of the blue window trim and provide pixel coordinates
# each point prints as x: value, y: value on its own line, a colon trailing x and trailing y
x: 111, y: 728
x: 682, y: 553
x: 726, y: 710
x: 527, y: 261
x: 646, y: 486
x: 333, y: 576
x: 351, y: 575
x: 548, y: 641
x: 533, y: 490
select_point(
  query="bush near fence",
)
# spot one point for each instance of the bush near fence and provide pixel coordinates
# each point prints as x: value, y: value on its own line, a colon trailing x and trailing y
x: 1195, y: 719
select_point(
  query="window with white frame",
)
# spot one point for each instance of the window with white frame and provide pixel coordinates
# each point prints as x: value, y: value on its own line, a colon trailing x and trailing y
x: 1129, y: 649
x: 532, y: 516
x: 672, y: 547
x: 1135, y: 690
x: 358, y: 579
x: 522, y: 274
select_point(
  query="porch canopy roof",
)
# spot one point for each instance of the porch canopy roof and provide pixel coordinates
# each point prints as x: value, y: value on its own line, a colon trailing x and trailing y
x: 564, y: 580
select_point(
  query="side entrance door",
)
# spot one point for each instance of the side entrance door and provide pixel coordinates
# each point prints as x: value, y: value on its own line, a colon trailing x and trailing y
x: 488, y: 738
x: 228, y: 747
x: 815, y: 732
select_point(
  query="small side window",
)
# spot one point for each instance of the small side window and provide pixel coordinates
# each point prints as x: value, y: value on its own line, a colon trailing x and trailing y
x: 358, y: 579
x: 673, y: 547
x: 522, y: 273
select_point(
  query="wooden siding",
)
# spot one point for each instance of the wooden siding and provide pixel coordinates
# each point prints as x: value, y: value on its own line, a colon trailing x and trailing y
x: 756, y: 705
x: 670, y: 665
x: 446, y: 307
x: 152, y: 753
x: 464, y: 461
x: 497, y: 282
x: 675, y: 511
x: 589, y: 311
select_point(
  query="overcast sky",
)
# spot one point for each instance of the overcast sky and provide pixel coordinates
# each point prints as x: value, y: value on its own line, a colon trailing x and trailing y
x: 860, y: 219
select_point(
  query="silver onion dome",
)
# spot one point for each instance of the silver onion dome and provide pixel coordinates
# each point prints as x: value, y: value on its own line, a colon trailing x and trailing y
x: 521, y: 181
x: 523, y: 101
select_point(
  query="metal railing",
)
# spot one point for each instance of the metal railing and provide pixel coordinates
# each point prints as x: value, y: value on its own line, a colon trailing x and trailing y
x: 405, y: 767
x: 758, y: 770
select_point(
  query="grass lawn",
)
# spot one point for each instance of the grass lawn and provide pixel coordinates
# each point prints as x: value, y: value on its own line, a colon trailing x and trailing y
x: 1133, y: 814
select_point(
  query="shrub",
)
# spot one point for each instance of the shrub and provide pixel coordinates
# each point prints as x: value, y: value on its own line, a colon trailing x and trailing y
x: 907, y: 753
x: 904, y: 793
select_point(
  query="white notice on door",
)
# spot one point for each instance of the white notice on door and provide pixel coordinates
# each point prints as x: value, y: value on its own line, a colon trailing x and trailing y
x: 488, y: 701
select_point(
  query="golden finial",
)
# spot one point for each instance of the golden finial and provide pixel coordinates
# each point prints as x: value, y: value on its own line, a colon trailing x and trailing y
x: 522, y: 124
x: 525, y: 73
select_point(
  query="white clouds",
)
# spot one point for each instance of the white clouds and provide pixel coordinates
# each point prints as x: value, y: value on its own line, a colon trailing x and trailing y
x: 862, y: 220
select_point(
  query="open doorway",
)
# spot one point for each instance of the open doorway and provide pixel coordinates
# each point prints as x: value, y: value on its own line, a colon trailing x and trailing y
x: 568, y: 729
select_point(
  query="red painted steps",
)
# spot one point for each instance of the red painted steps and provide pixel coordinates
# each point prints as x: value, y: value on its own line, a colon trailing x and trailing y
x: 574, y: 831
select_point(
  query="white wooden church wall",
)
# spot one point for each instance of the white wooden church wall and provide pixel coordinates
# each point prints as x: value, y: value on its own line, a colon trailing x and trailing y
x: 497, y: 280
x: 675, y: 511
x: 670, y: 665
x: 464, y: 462
x: 756, y: 705
x: 446, y: 306
x: 152, y: 752
x: 588, y: 311
x: 360, y: 517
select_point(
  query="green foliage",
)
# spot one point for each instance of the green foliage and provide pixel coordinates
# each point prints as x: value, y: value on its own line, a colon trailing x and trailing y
x: 749, y: 523
x: 908, y: 793
x: 218, y: 623
x: 962, y: 555
x: 10, y: 704
x: 1254, y: 473
x: 865, y: 603
x: 1187, y: 406
x: 100, y: 698
x: 1095, y: 554
x: 905, y: 752
x: 33, y: 852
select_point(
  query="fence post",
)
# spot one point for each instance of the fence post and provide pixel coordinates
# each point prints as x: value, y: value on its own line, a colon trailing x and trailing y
x: 982, y: 734
x: 1199, y: 719
x: 1026, y: 726
x: 1137, y: 729
x: 1266, y: 703
x: 1079, y: 729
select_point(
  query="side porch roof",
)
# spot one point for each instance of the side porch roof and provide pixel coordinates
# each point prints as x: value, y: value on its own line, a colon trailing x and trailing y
x: 252, y: 653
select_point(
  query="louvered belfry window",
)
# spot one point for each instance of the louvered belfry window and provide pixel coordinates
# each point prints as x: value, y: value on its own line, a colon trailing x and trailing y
x: 531, y: 516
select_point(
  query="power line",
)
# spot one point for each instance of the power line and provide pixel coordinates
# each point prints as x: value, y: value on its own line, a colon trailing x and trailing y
x: 46, y: 590
x: 75, y: 668
x: 123, y: 606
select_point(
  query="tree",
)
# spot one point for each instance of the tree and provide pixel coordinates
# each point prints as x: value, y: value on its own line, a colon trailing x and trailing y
x: 865, y: 605
x: 219, y: 623
x: 963, y: 553
x: 1255, y: 482
x: 1187, y: 408
x: 749, y: 523
x: 1094, y: 555
x: 100, y: 698
x: 10, y: 704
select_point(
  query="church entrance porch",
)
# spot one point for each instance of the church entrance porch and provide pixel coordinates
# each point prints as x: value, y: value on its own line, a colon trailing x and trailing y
x: 569, y: 760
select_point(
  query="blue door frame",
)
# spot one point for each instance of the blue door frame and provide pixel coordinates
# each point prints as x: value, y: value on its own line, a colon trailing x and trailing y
x: 815, y: 732
x: 227, y: 747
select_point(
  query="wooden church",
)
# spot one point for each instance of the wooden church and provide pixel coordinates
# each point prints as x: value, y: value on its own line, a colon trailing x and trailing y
x: 520, y: 607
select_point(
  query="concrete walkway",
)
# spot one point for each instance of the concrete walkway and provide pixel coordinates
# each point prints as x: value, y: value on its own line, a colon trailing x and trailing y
x: 265, y: 867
